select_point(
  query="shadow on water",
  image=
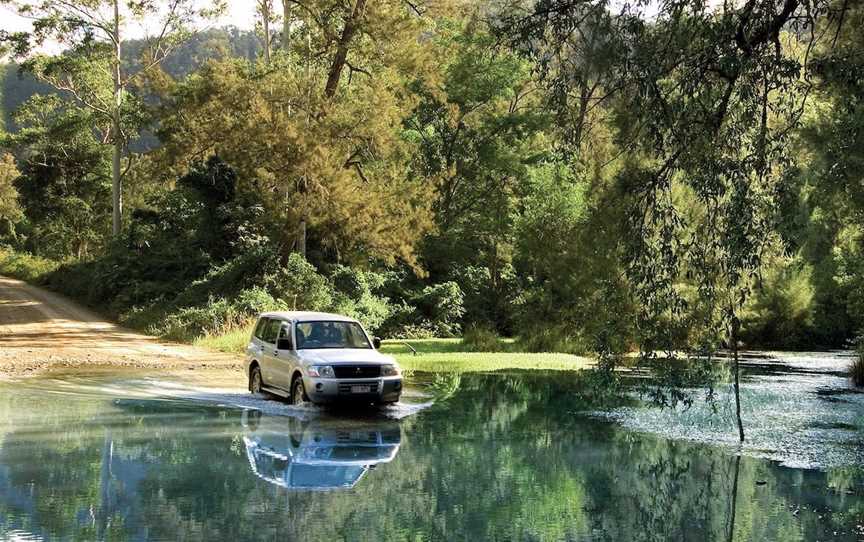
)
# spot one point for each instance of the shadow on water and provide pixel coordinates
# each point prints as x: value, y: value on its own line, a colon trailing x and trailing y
x: 496, y: 457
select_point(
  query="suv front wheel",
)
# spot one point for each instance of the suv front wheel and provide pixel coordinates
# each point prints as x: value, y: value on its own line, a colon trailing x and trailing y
x: 256, y: 381
x: 298, y: 392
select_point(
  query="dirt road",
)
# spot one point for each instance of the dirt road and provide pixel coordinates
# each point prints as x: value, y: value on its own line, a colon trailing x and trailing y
x: 40, y: 330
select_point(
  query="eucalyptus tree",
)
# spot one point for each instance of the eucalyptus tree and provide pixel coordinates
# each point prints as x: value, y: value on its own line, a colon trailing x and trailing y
x: 287, y: 21
x: 264, y: 10
x: 705, y: 99
x: 90, y: 69
x: 10, y: 210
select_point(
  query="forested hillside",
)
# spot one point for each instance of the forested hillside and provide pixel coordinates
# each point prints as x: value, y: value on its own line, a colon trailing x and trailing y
x: 17, y: 86
x: 576, y: 175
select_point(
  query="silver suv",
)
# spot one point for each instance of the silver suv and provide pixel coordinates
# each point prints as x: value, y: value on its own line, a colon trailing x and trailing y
x: 321, y: 358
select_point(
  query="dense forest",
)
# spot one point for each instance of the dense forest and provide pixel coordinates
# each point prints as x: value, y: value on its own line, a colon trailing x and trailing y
x: 580, y: 175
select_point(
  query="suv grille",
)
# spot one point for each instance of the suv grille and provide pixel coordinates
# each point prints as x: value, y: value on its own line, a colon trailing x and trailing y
x: 357, y: 371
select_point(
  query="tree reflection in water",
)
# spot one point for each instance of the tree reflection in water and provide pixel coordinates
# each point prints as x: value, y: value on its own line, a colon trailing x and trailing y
x: 498, y: 457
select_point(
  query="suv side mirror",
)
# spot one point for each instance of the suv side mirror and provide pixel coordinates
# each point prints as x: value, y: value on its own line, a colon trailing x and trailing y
x: 376, y: 342
x: 283, y: 344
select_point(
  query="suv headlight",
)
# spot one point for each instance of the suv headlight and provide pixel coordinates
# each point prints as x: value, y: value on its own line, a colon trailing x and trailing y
x: 323, y: 371
x: 389, y: 370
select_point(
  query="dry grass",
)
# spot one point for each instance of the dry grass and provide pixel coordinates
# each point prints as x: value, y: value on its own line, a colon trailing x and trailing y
x: 233, y: 342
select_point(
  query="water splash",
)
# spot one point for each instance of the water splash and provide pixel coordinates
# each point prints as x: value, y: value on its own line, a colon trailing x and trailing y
x: 96, y: 387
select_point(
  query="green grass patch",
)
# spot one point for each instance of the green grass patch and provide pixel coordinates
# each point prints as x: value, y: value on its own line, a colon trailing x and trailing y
x: 433, y: 355
x: 452, y: 356
x: 474, y: 362
x: 398, y: 347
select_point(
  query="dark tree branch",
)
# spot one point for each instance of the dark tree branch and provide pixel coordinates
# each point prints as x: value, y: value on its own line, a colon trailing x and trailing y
x: 339, y: 60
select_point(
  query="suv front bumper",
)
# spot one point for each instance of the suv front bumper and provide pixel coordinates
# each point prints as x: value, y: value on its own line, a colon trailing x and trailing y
x: 371, y: 390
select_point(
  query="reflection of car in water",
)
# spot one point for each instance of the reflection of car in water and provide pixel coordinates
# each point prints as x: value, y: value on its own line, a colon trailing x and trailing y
x: 317, y: 454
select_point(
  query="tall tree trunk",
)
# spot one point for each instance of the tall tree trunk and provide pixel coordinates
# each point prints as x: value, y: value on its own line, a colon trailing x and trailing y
x: 342, y: 49
x: 265, y: 16
x: 287, y: 17
x: 301, y: 239
x: 117, y: 137
x: 736, y: 326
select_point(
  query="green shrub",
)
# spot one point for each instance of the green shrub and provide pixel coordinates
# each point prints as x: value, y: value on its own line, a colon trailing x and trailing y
x: 300, y: 286
x: 249, y: 303
x: 351, y: 282
x: 25, y: 266
x: 434, y: 311
x: 244, y: 272
x: 217, y: 317
x: 481, y: 339
x: 442, y: 306
x: 143, y: 317
x: 552, y: 339
x: 781, y: 311
x: 411, y: 331
x: 354, y: 296
x: 230, y: 295
x: 400, y: 321
x: 371, y: 310
x: 233, y: 342
x: 489, y: 301
x: 297, y: 286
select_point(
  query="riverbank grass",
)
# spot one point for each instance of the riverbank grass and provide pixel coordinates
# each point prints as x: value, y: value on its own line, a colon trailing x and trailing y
x: 232, y: 342
x: 478, y: 362
x: 435, y: 355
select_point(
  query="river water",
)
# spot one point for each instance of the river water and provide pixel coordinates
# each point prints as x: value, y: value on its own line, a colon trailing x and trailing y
x: 503, y: 456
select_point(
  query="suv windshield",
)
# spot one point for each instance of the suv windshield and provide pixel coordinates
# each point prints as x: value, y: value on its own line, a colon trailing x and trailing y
x: 311, y: 335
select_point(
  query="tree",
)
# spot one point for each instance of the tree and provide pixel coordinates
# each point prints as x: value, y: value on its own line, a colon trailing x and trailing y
x: 479, y: 131
x: 835, y: 136
x: 94, y: 33
x: 287, y: 21
x: 326, y: 155
x: 369, y: 209
x: 265, y: 12
x: 10, y: 210
x: 705, y: 101
x: 64, y: 178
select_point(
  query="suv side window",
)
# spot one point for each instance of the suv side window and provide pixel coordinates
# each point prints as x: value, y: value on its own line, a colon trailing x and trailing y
x: 285, y: 334
x: 259, y: 329
x: 271, y: 331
